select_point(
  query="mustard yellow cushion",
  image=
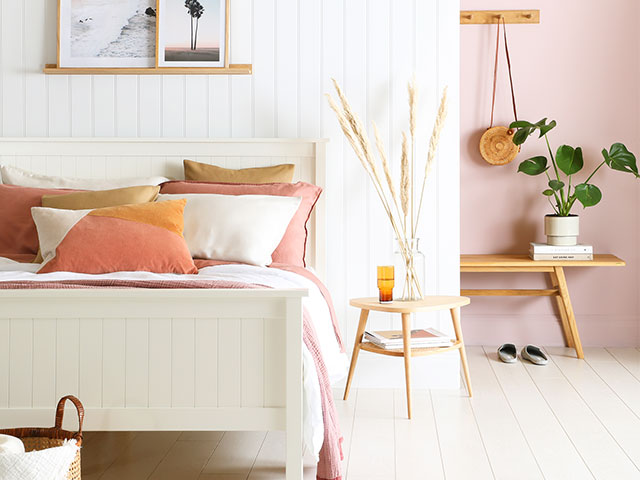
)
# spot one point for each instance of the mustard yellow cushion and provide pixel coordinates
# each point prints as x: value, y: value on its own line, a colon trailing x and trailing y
x: 202, y: 172
x: 102, y: 198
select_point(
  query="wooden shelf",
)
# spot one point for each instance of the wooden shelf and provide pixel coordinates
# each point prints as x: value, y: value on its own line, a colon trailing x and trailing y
x: 415, y: 352
x: 233, y: 69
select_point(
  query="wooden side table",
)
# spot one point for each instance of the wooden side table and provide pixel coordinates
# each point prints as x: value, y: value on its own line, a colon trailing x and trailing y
x: 555, y: 269
x: 405, y: 309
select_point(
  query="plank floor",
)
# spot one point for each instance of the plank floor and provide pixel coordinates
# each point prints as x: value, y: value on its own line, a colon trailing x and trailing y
x: 571, y: 419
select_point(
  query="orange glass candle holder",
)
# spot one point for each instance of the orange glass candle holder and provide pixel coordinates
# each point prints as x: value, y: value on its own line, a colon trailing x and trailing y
x: 385, y: 283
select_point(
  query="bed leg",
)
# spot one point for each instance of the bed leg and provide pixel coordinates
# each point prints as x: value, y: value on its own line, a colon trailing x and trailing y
x: 294, y: 433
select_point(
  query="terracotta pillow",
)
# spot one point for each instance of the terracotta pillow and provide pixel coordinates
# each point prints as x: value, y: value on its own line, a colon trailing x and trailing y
x: 18, y: 233
x: 146, y: 237
x: 292, y: 248
x: 203, y: 172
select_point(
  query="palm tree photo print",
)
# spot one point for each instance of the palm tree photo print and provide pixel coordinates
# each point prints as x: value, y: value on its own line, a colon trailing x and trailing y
x: 193, y: 31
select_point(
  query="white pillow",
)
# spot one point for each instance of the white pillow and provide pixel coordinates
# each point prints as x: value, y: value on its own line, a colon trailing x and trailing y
x: 235, y: 228
x: 23, y: 178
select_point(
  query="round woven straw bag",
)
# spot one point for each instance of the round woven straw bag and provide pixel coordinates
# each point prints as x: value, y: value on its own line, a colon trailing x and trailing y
x: 41, y: 438
x: 496, y: 144
x: 497, y: 147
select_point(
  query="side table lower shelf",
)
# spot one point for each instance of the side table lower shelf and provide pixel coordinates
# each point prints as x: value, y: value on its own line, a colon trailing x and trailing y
x: 415, y: 352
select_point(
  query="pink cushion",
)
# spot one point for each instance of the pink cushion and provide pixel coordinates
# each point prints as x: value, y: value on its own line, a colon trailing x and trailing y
x: 292, y: 248
x: 18, y: 233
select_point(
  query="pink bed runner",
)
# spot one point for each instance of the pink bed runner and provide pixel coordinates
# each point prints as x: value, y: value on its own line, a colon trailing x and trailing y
x: 331, y: 456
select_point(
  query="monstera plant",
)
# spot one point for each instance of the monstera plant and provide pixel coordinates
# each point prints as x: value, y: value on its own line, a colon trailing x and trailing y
x: 563, y: 189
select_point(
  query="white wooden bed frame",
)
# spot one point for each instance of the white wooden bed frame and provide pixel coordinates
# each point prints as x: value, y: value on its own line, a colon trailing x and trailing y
x: 159, y: 359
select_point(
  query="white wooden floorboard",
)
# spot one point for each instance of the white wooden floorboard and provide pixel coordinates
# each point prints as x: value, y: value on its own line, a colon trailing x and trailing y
x: 619, y: 379
x: 602, y: 454
x: 554, y: 451
x: 417, y: 449
x: 372, y: 440
x: 235, y: 454
x: 346, y: 413
x: 629, y: 358
x: 509, y: 452
x: 463, y: 452
x: 619, y: 420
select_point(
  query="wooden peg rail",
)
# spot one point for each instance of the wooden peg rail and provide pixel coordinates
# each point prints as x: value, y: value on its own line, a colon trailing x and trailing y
x: 485, y: 17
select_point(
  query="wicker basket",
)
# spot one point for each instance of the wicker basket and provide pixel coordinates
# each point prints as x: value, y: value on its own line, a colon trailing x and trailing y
x: 41, y: 438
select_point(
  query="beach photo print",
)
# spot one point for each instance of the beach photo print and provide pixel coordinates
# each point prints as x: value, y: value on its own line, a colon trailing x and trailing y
x: 192, y: 33
x: 107, y: 33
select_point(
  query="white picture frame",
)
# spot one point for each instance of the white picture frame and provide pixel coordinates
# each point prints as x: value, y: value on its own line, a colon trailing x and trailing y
x: 192, y: 36
x: 99, y: 33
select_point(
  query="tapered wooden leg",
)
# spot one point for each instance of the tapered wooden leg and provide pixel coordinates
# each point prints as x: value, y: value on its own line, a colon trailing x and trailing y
x: 364, y: 314
x: 566, y: 329
x: 406, y: 340
x: 571, y: 318
x: 455, y: 316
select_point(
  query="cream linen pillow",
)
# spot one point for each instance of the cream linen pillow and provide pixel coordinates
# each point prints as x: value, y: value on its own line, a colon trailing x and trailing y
x: 235, y: 228
x: 17, y: 176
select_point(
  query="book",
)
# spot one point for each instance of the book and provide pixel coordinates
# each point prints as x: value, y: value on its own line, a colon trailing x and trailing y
x: 420, y: 338
x: 560, y: 249
x: 560, y: 256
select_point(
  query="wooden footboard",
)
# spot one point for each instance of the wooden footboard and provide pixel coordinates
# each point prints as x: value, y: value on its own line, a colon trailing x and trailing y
x: 156, y: 359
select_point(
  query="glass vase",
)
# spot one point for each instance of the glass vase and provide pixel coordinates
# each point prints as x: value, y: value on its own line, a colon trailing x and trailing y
x: 410, y: 270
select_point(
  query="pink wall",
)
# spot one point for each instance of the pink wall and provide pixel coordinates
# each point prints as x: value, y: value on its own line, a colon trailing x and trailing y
x: 579, y: 66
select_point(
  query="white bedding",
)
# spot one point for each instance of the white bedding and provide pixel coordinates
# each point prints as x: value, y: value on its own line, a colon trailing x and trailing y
x: 315, y: 304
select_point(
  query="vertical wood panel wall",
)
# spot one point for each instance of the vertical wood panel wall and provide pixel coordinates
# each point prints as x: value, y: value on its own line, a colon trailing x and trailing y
x: 372, y: 47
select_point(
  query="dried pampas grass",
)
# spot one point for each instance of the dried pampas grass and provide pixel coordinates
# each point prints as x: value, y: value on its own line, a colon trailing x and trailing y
x: 403, y: 219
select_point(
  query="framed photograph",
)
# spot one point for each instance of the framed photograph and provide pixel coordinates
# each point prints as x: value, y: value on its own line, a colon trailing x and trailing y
x: 106, y: 33
x: 193, y: 33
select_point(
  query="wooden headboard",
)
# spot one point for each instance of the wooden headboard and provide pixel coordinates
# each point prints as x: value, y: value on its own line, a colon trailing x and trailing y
x: 131, y: 157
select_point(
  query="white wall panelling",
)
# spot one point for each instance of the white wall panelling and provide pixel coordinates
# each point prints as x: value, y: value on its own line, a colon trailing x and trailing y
x: 371, y: 47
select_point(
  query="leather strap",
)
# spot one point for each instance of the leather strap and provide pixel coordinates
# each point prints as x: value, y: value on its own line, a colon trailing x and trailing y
x: 495, y: 71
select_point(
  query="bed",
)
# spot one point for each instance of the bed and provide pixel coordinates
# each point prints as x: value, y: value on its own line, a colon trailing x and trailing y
x: 169, y: 358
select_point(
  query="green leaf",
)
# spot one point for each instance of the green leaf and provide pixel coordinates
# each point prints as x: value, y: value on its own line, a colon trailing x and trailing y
x: 521, y: 135
x: 548, y: 192
x: 533, y: 165
x: 588, y: 195
x: 520, y: 124
x: 556, y: 185
x: 621, y: 159
x: 569, y: 160
x: 545, y: 128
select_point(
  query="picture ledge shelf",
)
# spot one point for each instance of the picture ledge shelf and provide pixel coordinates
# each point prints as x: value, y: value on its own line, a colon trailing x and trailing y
x: 233, y: 69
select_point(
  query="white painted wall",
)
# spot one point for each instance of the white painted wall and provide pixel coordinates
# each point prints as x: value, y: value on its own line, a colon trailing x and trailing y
x: 371, y: 47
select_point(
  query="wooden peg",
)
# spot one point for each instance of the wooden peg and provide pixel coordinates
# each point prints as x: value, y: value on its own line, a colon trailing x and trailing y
x: 486, y: 17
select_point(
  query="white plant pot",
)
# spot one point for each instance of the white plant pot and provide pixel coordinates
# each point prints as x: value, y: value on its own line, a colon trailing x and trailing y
x: 562, y: 230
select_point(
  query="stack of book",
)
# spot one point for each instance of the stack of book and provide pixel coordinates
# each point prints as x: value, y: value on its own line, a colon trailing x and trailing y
x: 420, y: 338
x: 542, y: 251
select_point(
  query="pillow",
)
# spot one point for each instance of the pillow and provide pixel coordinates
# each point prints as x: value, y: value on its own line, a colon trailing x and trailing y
x: 291, y: 249
x: 146, y: 237
x: 101, y: 198
x: 235, y: 228
x: 18, y: 233
x: 204, y: 172
x: 17, y: 176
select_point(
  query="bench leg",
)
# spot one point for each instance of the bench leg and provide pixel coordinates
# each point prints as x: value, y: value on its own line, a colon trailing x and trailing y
x: 571, y: 318
x: 566, y: 329
x: 364, y: 314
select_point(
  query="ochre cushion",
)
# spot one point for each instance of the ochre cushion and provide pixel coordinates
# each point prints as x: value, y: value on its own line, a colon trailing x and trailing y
x: 203, y: 172
x: 146, y: 237
x: 18, y: 233
x: 292, y: 247
x: 101, y: 198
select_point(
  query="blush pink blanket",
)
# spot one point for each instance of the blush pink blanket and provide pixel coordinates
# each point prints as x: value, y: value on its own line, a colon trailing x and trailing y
x: 330, y: 462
